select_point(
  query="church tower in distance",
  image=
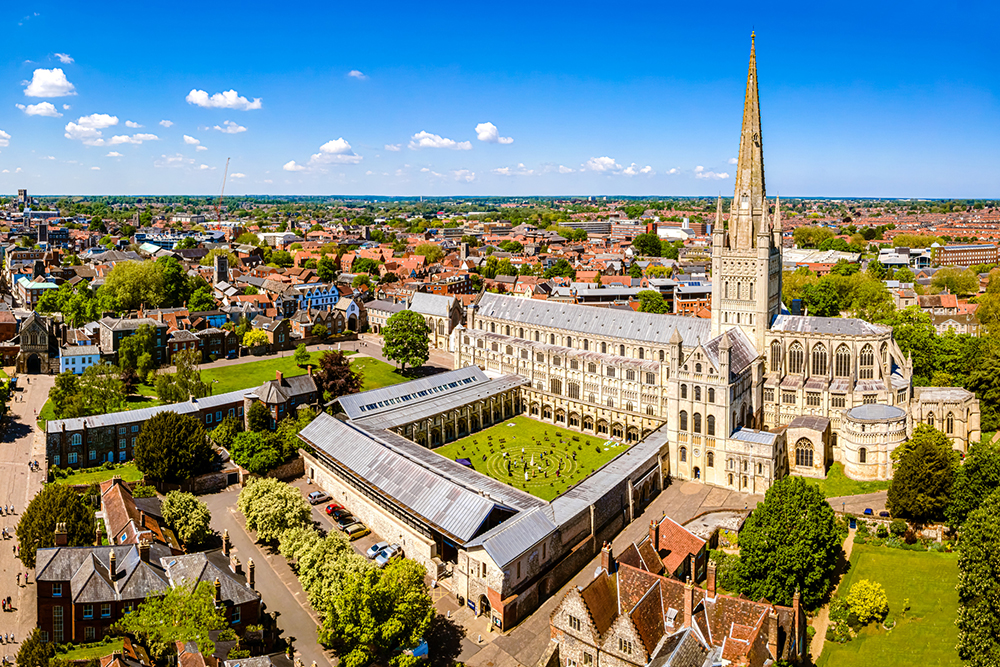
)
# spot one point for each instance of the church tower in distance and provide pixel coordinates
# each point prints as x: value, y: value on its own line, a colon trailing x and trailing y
x: 746, y: 257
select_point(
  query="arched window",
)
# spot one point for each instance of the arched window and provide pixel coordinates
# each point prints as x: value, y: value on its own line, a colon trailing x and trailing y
x: 760, y: 468
x: 730, y: 479
x: 697, y: 393
x: 949, y: 423
x: 77, y: 439
x: 552, y: 339
x: 711, y: 459
x: 507, y: 330
x: 493, y: 327
x: 710, y: 424
x: 569, y: 341
x: 642, y: 353
x: 862, y: 455
x: 662, y: 355
x: 537, y: 336
x: 697, y: 422
x: 621, y: 350
x: 684, y: 454
x: 866, y: 367
x: 683, y: 420
x: 591, y: 367
x: 520, y: 332
x: 775, y: 356
x: 509, y: 349
x: 711, y: 395
x: 725, y: 290
x: 930, y: 419
x: 751, y: 290
x: 804, y: 453
x: 697, y: 368
x: 573, y: 390
x: 796, y: 357
x: 604, y: 348
x: 555, y: 386
x: 884, y: 352
x: 843, y: 362
x: 684, y: 391
x: 819, y: 360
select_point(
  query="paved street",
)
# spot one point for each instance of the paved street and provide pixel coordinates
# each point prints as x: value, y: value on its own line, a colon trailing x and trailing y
x: 858, y: 504
x: 21, y: 442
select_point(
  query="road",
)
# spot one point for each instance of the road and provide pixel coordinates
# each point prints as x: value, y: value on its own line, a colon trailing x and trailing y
x: 21, y: 442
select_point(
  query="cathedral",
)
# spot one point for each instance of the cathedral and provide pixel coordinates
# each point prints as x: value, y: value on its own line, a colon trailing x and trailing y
x: 745, y: 399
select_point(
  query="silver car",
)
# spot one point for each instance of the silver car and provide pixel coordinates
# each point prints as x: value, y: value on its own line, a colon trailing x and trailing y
x: 375, y: 548
x: 391, y: 552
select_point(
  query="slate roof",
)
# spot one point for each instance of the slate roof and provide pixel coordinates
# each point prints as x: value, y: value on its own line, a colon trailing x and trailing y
x: 840, y: 326
x: 385, y: 306
x: 278, y: 391
x: 742, y: 351
x: 191, y: 407
x: 208, y: 566
x: 88, y: 571
x: 506, y: 542
x: 810, y: 422
x: 432, y: 304
x: 636, y: 326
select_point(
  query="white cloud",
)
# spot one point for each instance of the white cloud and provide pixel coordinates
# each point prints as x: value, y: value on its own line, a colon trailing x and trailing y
x: 113, y: 154
x: 519, y: 170
x: 66, y: 107
x: 357, y: 74
x: 201, y: 148
x: 732, y: 160
x: 17, y: 171
x: 635, y: 170
x: 335, y: 151
x: 88, y: 128
x: 4, y: 139
x: 425, y: 139
x: 49, y: 157
x: 203, y: 167
x: 566, y: 170
x: 175, y: 160
x: 40, y: 109
x: 229, y: 127
x: 237, y: 175
x: 49, y: 83
x: 134, y: 139
x: 95, y: 168
x: 489, y: 133
x: 701, y: 172
x: 292, y: 166
x: 229, y: 99
x: 463, y: 175
x: 166, y: 123
x: 673, y: 170
x: 132, y: 124
x: 64, y: 58
x: 602, y: 164
x: 191, y: 141
x: 395, y: 148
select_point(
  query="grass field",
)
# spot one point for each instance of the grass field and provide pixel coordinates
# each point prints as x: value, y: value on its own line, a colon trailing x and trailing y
x: 927, y: 635
x: 377, y: 373
x: 91, y: 651
x: 839, y: 484
x: 535, y: 438
x: 127, y: 471
x: 253, y: 373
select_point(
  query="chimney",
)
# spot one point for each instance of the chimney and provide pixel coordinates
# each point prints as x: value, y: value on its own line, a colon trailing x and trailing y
x: 250, y: 576
x: 218, y: 590
x: 772, y: 633
x: 799, y: 632
x: 688, y: 603
x: 711, y: 579
x: 309, y: 370
x: 144, y: 550
x: 654, y: 535
x: 62, y: 538
x: 234, y: 565
x: 142, y: 519
x: 112, y: 565
x: 607, y: 560
x: 225, y: 542
x: 278, y: 376
x: 693, y: 564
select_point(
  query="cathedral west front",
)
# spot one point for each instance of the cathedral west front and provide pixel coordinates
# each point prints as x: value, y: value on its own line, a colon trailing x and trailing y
x: 752, y: 395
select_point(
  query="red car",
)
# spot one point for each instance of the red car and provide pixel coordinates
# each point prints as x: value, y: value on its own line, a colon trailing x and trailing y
x: 333, y: 507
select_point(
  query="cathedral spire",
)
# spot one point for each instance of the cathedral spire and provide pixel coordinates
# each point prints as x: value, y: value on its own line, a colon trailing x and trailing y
x: 748, y: 215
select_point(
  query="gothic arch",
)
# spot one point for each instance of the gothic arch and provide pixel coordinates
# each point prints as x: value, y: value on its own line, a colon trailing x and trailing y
x: 819, y: 359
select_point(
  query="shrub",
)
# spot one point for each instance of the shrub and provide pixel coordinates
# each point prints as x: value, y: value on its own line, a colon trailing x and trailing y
x: 910, y: 536
x: 868, y: 601
x: 143, y: 491
x: 897, y: 527
x: 882, y: 532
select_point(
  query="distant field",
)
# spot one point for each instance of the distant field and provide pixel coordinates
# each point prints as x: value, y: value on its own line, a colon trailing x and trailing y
x: 486, y: 452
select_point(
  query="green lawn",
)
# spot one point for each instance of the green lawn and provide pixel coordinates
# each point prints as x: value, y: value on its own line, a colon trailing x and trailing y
x: 127, y: 471
x: 48, y: 412
x: 377, y: 373
x: 253, y: 373
x: 530, y: 435
x: 839, y: 484
x: 91, y: 651
x: 927, y: 635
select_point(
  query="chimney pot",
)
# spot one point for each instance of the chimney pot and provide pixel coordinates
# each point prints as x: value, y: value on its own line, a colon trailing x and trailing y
x: 688, y: 603
x: 250, y: 573
x: 61, y: 537
x: 218, y: 590
x: 112, y: 564
x: 234, y: 564
x: 607, y: 559
x: 144, y: 550
x: 225, y: 542
x: 278, y: 376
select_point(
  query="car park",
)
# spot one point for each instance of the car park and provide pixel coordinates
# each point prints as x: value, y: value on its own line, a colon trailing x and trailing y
x: 355, y: 531
x: 317, y: 497
x: 374, y: 549
x: 344, y: 521
x: 388, y: 554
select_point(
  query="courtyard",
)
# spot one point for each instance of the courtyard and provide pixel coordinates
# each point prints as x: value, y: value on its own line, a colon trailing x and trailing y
x: 540, y: 458
x: 927, y: 634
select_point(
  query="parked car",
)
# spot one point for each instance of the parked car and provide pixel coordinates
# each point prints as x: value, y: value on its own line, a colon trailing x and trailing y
x: 884, y: 514
x: 391, y: 552
x: 374, y: 549
x: 355, y: 531
x: 868, y: 511
x: 317, y: 497
x: 333, y: 507
x: 345, y: 520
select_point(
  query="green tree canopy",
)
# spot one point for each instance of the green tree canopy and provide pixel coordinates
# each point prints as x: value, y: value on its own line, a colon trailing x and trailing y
x: 302, y: 355
x: 258, y: 417
x: 405, y: 339
x: 810, y: 237
x: 561, y: 268
x: 647, y: 245
x: 185, y: 382
x: 271, y: 507
x: 36, y: 652
x: 979, y: 585
x: 432, y: 252
x: 172, y: 448
x: 254, y: 338
x: 922, y: 481
x: 188, y: 517
x: 326, y: 269
x: 54, y: 504
x: 256, y: 451
x: 975, y: 480
x: 651, y: 301
x: 182, y: 614
x: 790, y: 542
x: 335, y: 376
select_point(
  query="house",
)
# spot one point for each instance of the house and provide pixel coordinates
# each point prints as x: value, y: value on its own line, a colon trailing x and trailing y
x: 235, y: 589
x: 958, y: 323
x: 279, y: 333
x: 442, y: 314
x: 130, y: 520
x: 8, y: 325
x: 379, y: 312
x: 78, y: 358
x: 114, y: 330
x: 938, y: 304
x: 283, y: 396
x: 354, y: 314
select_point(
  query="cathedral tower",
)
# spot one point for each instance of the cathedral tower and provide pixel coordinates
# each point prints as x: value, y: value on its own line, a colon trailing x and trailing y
x: 746, y: 257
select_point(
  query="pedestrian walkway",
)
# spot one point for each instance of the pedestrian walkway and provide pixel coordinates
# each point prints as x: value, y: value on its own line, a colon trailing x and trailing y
x: 822, y: 619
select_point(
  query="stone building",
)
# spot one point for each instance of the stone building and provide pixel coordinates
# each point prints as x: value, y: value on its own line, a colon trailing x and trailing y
x: 39, y: 346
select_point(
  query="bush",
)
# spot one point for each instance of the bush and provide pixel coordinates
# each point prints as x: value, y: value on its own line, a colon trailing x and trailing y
x: 910, y: 536
x: 897, y: 527
x: 108, y: 465
x: 882, y: 532
x: 868, y: 602
x: 143, y: 491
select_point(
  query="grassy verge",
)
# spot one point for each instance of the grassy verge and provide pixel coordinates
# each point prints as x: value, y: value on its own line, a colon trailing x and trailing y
x: 48, y: 412
x: 90, y: 651
x: 926, y: 635
x: 839, y: 484
x: 127, y: 471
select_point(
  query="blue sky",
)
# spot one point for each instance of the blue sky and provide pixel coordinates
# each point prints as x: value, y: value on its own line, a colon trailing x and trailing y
x: 857, y: 99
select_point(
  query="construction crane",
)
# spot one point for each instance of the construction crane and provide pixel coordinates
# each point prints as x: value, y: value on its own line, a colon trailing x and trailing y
x: 218, y: 214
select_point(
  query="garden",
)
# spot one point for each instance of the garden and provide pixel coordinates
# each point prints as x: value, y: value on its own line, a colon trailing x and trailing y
x: 540, y: 458
x: 836, y: 483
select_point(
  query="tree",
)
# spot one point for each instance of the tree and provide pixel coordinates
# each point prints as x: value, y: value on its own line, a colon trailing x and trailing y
x: 922, y: 480
x: 561, y: 268
x: 323, y: 564
x: 377, y: 613
x: 201, y: 300
x: 101, y: 389
x: 790, y: 542
x: 63, y: 392
x: 405, y: 339
x: 130, y: 285
x: 657, y: 271
x: 914, y: 333
x: 975, y: 479
x: 335, y: 377
x: 287, y: 433
x: 326, y: 269
x: 53, y: 505
x: 254, y: 338
x: 904, y: 275
x: 872, y: 301
x: 651, y: 301
x: 952, y: 280
x: 647, y: 245
x: 34, y: 651
x: 302, y: 355
x: 811, y: 237
x: 181, y: 614
x: 361, y: 280
x: 822, y: 299
x: 431, y: 252
x: 256, y: 451
x: 223, y: 434
x: 186, y: 382
x: 867, y: 599
x: 258, y: 417
x: 635, y: 271
x: 513, y: 247
x: 979, y: 585
x: 272, y: 507
x: 172, y: 448
x: 671, y: 250
x: 136, y: 352
x: 320, y: 331
x: 188, y: 517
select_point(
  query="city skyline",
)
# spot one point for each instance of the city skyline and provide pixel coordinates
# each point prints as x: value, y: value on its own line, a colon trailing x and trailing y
x: 444, y: 103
